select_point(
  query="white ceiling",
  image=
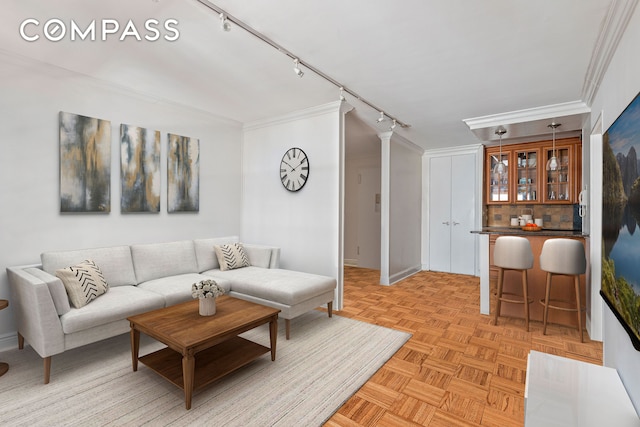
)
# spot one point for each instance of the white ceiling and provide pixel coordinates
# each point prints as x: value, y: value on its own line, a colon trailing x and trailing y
x: 431, y: 63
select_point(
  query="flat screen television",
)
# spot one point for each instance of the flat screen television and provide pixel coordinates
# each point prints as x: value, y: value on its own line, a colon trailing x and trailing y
x: 621, y: 219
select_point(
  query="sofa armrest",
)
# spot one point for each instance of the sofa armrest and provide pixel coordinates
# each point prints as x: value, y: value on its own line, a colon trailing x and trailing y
x: 34, y: 311
x: 262, y: 256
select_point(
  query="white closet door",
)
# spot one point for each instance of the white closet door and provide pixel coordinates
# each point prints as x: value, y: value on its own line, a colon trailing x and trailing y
x: 440, y: 213
x: 463, y: 203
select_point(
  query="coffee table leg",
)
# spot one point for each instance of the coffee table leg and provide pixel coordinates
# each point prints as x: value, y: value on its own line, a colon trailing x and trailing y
x: 273, y: 332
x: 135, y: 347
x: 188, y: 368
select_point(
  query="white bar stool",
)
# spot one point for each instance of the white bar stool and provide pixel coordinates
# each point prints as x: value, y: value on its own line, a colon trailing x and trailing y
x: 563, y: 257
x: 513, y: 253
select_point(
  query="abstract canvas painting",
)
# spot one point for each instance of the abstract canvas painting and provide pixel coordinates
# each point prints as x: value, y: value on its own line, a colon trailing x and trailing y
x: 85, y: 164
x: 183, y: 174
x: 621, y: 220
x: 139, y: 169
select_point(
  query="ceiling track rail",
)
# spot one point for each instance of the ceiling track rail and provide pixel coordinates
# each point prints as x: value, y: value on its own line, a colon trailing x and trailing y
x: 237, y: 22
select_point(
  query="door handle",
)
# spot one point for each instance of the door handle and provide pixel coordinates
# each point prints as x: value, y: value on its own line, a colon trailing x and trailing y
x: 456, y: 223
x: 445, y: 222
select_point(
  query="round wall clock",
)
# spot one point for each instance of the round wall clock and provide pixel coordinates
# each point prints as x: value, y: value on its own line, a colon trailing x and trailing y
x: 294, y: 169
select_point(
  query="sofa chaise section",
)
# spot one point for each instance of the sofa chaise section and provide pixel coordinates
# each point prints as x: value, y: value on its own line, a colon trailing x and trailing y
x: 293, y: 292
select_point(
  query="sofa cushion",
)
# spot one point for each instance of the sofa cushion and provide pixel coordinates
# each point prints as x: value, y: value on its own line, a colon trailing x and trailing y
x: 156, y: 260
x: 259, y: 256
x: 206, y: 255
x: 231, y: 256
x: 175, y: 289
x: 83, y: 282
x: 115, y: 263
x: 274, y: 284
x: 117, y: 304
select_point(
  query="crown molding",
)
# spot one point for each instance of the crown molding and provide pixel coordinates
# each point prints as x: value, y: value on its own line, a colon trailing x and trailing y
x: 527, y: 115
x: 319, y: 110
x: 611, y: 31
x: 406, y: 143
x: 463, y: 149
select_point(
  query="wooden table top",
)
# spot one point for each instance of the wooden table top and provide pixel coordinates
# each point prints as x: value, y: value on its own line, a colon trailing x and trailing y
x: 180, y: 326
x: 3, y: 303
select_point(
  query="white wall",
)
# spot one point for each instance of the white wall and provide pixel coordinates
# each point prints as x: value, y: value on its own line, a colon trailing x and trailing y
x: 620, y: 85
x: 304, y: 224
x: 405, y: 210
x: 32, y: 95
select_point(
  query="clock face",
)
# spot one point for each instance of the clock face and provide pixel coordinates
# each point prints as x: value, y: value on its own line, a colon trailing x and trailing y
x: 294, y: 169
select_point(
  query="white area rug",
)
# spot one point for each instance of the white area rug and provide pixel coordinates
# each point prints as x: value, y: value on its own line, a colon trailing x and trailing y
x: 326, y: 361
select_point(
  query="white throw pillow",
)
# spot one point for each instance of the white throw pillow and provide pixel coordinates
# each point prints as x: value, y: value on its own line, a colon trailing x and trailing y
x: 231, y: 256
x: 83, y: 282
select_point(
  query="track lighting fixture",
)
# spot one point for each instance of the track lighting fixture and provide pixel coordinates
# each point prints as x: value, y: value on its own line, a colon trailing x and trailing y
x: 296, y: 68
x: 224, y: 22
x: 227, y: 20
x: 500, y: 167
x: 393, y: 125
x: 552, y: 164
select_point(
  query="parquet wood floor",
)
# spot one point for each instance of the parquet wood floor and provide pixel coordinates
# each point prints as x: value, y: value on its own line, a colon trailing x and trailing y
x: 457, y: 369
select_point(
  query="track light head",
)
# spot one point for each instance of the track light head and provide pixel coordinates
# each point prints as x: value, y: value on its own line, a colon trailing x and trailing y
x: 296, y: 68
x: 393, y: 125
x: 225, y: 25
x: 381, y: 118
x: 341, y: 94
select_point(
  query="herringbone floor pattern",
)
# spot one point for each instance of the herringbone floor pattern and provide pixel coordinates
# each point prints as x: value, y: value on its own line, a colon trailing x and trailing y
x: 458, y: 369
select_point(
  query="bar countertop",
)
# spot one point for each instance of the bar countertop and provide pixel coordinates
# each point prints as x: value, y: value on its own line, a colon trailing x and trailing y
x: 518, y: 231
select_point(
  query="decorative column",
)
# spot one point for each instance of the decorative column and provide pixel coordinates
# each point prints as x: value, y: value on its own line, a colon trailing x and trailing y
x: 385, y: 183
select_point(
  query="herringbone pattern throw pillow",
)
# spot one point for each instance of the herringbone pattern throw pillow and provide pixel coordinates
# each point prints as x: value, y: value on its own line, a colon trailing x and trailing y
x: 231, y: 256
x: 83, y: 282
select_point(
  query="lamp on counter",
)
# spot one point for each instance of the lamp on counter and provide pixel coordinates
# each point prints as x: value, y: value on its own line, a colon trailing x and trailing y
x: 552, y: 164
x: 500, y: 167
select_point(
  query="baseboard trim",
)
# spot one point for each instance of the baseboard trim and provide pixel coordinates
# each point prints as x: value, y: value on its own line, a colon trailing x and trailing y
x: 9, y: 341
x: 404, y: 274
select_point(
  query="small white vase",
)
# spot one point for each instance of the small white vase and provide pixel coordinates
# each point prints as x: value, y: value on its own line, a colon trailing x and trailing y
x: 207, y: 306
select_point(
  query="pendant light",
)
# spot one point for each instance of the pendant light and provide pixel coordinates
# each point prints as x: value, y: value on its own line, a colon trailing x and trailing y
x: 552, y: 164
x: 500, y: 167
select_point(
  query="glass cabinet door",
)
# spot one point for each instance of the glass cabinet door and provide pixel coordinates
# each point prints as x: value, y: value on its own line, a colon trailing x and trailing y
x: 527, y: 190
x: 498, y: 185
x: 558, y: 182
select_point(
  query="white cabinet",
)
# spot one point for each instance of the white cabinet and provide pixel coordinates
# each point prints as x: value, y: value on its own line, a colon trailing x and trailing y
x: 561, y: 392
x: 452, y: 201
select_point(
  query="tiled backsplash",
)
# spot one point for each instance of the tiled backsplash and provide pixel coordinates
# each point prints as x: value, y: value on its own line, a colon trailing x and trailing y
x: 560, y: 217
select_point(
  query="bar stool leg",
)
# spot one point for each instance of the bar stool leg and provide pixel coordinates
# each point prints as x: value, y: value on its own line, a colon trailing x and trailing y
x: 547, y: 294
x: 576, y: 281
x: 499, y: 296
x: 525, y: 293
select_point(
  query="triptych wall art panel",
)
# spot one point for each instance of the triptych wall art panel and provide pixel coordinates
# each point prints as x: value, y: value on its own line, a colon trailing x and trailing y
x: 139, y: 169
x: 183, y: 174
x: 85, y: 168
x: 621, y: 219
x: 85, y: 164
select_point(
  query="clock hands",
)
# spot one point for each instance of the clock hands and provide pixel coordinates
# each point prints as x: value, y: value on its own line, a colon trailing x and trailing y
x: 292, y: 168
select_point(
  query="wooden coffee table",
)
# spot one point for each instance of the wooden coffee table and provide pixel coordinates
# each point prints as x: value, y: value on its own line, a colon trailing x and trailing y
x: 214, y: 339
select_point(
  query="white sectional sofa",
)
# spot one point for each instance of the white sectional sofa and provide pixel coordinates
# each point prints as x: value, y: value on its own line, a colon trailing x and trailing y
x: 144, y: 277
